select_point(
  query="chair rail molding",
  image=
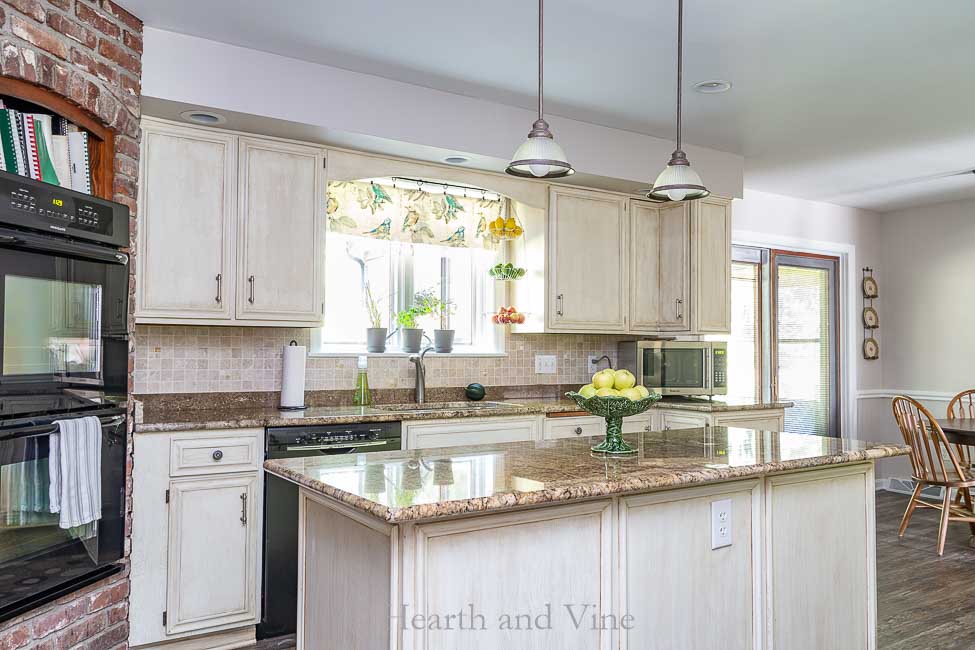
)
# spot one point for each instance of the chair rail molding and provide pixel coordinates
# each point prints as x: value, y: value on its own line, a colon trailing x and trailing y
x: 890, y: 393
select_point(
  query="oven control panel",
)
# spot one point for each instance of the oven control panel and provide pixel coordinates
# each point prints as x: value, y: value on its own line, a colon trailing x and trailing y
x: 50, y: 208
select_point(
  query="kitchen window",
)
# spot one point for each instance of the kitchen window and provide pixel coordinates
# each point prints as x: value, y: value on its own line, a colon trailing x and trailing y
x: 389, y: 240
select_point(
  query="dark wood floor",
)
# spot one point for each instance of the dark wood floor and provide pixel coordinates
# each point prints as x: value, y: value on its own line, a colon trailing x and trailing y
x: 923, y: 601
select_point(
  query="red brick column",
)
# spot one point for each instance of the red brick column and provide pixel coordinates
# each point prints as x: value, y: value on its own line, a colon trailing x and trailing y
x: 89, y: 51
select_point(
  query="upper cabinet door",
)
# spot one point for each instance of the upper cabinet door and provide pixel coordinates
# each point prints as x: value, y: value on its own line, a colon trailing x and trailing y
x: 282, y: 208
x: 644, y: 266
x: 185, y: 257
x: 711, y: 265
x: 674, y: 260
x: 587, y: 289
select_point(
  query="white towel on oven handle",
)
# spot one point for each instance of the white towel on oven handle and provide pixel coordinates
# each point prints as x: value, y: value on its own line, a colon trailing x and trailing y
x: 76, y: 471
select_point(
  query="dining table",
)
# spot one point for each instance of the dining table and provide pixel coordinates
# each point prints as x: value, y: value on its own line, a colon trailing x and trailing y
x: 960, y: 431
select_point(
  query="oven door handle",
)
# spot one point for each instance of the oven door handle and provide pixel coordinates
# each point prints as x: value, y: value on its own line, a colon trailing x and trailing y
x: 339, y: 445
x: 48, y: 429
x: 57, y: 246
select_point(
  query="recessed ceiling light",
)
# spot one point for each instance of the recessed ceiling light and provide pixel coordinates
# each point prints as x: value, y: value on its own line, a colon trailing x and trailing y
x: 456, y: 160
x: 713, y: 86
x: 203, y: 117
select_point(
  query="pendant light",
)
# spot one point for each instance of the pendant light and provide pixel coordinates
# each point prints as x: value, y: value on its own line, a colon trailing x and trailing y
x: 540, y: 156
x: 678, y: 182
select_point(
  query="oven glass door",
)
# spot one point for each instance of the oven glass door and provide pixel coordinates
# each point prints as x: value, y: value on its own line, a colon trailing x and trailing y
x: 41, y: 556
x: 63, y: 318
x: 678, y: 369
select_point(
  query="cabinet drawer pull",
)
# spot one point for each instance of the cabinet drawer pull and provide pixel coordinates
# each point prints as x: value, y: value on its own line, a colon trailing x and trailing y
x: 578, y: 431
x: 217, y: 454
x: 219, y: 288
x: 243, y: 509
x: 680, y: 309
x: 558, y: 304
x: 250, y: 281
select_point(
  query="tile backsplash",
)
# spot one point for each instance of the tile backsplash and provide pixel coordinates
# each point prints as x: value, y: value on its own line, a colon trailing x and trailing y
x: 185, y: 359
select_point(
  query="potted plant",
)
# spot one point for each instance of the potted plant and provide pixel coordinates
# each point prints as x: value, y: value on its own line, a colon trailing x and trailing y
x: 376, y: 333
x: 443, y: 338
x: 410, y: 336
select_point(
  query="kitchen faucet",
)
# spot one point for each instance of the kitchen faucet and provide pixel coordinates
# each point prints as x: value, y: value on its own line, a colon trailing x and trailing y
x: 421, y: 374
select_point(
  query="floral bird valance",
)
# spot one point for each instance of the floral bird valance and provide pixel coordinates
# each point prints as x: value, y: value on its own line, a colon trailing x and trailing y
x: 380, y: 211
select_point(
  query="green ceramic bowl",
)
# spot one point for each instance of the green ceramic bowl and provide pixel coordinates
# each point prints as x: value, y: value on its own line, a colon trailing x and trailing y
x: 614, y: 409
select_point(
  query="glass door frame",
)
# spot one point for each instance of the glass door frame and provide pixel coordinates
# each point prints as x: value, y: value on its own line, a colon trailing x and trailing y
x: 831, y: 264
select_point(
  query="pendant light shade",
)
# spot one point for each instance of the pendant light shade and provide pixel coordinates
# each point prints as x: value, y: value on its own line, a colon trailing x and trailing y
x: 678, y: 182
x: 540, y: 156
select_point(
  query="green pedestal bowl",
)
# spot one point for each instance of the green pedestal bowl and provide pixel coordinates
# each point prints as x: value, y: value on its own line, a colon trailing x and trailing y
x: 614, y: 409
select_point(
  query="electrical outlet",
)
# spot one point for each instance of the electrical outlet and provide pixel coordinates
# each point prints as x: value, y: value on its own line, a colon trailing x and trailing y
x: 545, y: 364
x: 593, y: 364
x: 720, y: 523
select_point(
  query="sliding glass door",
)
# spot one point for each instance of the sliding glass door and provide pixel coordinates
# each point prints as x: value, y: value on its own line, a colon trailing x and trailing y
x: 784, y: 335
x: 804, y: 341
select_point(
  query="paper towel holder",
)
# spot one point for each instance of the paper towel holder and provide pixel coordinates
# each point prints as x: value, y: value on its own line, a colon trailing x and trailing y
x: 293, y: 408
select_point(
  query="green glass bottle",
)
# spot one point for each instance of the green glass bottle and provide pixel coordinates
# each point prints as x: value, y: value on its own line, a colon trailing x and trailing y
x: 361, y: 396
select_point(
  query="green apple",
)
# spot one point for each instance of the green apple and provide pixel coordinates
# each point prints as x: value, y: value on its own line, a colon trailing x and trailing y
x: 587, y: 391
x: 643, y: 391
x: 631, y: 394
x: 608, y: 392
x: 623, y: 379
x: 603, y: 379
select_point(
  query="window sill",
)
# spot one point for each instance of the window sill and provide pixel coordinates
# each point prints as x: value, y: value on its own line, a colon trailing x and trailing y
x: 343, y: 353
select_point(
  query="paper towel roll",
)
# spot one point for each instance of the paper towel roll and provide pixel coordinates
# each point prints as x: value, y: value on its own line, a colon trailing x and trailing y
x: 293, y: 376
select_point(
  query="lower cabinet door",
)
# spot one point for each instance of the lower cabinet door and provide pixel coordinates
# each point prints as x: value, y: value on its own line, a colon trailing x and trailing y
x: 487, y: 431
x: 213, y: 553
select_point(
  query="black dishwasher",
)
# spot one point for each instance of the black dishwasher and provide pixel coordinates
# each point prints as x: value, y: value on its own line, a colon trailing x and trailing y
x: 279, y: 591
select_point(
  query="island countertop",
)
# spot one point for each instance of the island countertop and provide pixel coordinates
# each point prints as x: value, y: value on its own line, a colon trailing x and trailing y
x: 421, y: 485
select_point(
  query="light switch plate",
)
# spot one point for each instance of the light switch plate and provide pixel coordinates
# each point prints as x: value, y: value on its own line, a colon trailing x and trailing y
x: 721, y: 524
x: 545, y: 364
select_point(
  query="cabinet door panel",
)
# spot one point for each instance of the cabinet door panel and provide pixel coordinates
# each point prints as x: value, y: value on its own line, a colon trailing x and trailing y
x: 281, y: 206
x: 666, y: 540
x: 452, y: 433
x: 682, y: 420
x: 186, y: 228
x: 644, y: 266
x: 712, y: 266
x: 588, y: 258
x: 674, y: 259
x: 213, y: 541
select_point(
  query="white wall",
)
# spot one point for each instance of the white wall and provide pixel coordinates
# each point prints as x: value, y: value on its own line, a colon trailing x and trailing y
x: 196, y: 71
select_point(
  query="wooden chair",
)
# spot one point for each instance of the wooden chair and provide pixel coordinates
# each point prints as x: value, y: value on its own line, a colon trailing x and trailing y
x: 962, y: 407
x: 934, y: 462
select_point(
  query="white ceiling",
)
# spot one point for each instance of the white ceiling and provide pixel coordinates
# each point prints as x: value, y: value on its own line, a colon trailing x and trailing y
x: 833, y: 100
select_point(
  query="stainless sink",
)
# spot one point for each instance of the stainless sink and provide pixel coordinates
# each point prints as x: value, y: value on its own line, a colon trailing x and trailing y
x: 433, y: 407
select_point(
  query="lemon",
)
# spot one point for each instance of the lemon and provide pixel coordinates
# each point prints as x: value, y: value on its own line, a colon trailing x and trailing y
x: 510, y: 224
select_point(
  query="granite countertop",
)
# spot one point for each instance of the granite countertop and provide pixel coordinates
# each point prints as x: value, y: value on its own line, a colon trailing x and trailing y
x: 417, y: 485
x: 161, y: 420
x: 703, y: 405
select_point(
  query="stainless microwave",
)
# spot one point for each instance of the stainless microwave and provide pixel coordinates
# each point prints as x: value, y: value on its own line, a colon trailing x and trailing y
x: 678, y: 367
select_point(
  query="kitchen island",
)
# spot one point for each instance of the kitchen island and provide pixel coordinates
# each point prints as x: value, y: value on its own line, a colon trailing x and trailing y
x: 708, y: 538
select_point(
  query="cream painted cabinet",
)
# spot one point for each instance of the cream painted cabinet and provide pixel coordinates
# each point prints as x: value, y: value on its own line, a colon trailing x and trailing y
x: 825, y: 520
x: 186, y: 225
x: 475, y: 431
x: 587, y: 261
x: 761, y: 419
x: 665, y: 539
x: 231, y: 229
x: 213, y: 542
x: 196, y: 534
x: 711, y: 266
x: 585, y: 426
x: 659, y: 266
x: 281, y: 205
x: 682, y: 420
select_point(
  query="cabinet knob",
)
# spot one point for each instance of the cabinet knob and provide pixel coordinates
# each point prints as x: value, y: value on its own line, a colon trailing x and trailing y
x: 217, y: 454
x: 578, y: 431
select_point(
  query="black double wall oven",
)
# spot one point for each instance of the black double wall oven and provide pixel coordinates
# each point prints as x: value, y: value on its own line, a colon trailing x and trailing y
x: 63, y: 354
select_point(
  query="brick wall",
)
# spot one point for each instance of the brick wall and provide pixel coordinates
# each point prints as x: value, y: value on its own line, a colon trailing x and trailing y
x: 89, y: 51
